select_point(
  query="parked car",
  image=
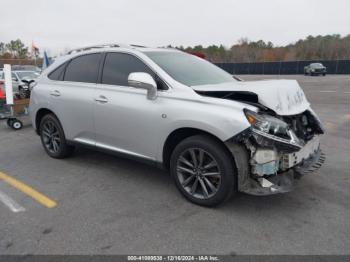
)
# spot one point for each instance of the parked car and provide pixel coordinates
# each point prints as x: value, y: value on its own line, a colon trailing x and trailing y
x: 315, y: 69
x: 215, y: 134
x: 21, y: 81
x: 26, y: 68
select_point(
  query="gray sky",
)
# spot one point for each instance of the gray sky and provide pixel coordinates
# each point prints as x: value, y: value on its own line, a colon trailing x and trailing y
x: 56, y: 25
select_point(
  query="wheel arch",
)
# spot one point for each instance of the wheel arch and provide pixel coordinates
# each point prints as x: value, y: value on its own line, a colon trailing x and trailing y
x: 39, y: 116
x: 178, y: 135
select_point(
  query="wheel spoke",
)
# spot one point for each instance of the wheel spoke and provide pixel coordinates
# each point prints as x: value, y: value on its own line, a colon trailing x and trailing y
x: 194, y: 186
x: 213, y: 174
x: 46, y: 129
x: 204, y: 188
x: 194, y: 158
x: 188, y: 180
x: 185, y: 161
x: 185, y: 170
x: 211, y: 186
x: 49, y: 126
x: 50, y: 145
x: 45, y: 133
x: 55, y: 145
x: 210, y: 165
x: 201, y: 156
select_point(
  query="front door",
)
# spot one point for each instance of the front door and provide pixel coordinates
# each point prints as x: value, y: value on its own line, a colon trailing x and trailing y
x: 125, y: 120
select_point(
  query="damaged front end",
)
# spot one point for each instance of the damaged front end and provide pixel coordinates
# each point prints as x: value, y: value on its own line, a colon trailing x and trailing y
x: 276, y: 150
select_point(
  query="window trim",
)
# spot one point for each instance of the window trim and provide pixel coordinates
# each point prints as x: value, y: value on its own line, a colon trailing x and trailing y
x: 137, y: 57
x: 101, y: 67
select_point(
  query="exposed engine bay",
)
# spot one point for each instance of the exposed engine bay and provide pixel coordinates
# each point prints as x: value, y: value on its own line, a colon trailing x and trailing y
x: 277, y: 149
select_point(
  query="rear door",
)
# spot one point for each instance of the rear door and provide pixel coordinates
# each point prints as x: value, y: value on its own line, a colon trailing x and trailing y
x: 72, y: 98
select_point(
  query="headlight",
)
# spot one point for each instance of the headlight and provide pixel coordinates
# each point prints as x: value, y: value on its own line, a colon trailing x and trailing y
x: 272, y: 128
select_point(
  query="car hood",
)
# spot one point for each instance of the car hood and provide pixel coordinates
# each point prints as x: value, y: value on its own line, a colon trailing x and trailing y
x: 285, y: 97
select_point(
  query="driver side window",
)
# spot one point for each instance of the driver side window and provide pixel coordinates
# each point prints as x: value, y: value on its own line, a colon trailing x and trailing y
x: 118, y: 66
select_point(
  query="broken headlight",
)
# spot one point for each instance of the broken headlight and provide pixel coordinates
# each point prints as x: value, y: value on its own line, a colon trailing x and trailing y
x: 272, y: 128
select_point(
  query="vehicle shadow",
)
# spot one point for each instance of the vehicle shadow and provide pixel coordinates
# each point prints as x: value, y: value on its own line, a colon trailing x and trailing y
x: 160, y: 182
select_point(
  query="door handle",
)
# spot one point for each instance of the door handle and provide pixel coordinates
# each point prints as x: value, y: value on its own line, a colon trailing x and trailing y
x: 55, y: 93
x: 101, y: 99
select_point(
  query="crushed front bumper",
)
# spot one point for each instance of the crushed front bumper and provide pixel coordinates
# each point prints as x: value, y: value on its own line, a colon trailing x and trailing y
x: 292, y: 166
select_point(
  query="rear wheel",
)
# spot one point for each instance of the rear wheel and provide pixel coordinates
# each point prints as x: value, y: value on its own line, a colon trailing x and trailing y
x: 53, y: 138
x: 203, y: 170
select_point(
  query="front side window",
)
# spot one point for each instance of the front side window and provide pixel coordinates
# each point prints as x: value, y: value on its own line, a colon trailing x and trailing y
x: 118, y: 66
x: 188, y: 69
x: 83, y: 69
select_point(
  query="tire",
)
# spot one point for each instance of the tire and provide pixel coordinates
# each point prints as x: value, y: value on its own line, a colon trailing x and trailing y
x: 53, y: 138
x: 9, y: 122
x: 217, y: 167
x: 16, y: 124
x: 324, y: 74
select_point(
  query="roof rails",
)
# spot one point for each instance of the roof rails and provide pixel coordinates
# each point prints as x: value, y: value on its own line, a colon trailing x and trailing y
x: 81, y: 49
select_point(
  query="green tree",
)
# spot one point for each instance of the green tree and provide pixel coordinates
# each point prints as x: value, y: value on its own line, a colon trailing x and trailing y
x: 17, y: 49
x: 2, y: 48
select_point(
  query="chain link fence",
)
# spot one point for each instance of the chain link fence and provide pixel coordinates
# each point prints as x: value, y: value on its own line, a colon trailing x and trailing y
x: 34, y: 62
x: 284, y: 67
x: 265, y: 68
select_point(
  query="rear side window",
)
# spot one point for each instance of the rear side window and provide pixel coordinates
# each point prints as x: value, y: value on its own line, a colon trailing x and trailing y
x: 83, y: 69
x: 58, y: 73
x: 118, y: 66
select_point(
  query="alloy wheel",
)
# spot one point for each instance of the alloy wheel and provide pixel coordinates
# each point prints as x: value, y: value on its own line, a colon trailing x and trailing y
x: 51, y: 137
x: 198, y: 173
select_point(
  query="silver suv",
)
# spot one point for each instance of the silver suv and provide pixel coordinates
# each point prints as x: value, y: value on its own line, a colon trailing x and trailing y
x: 215, y: 134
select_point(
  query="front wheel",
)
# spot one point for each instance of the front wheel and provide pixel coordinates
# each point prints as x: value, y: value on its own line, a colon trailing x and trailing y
x: 53, y: 138
x: 203, y: 170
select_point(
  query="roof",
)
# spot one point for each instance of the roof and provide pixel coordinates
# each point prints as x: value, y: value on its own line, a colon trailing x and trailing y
x: 118, y: 46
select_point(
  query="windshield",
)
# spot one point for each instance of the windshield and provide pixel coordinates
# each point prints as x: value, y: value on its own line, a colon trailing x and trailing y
x: 29, y: 74
x: 188, y: 69
x: 317, y: 65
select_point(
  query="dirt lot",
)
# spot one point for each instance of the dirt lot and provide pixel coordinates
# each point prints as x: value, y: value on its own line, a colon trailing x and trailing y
x: 109, y: 205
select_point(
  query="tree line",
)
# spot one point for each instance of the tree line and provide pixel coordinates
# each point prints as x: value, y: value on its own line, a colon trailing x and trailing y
x: 14, y: 49
x: 328, y: 47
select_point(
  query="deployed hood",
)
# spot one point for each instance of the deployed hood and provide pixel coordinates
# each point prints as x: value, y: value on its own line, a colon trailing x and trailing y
x: 285, y: 97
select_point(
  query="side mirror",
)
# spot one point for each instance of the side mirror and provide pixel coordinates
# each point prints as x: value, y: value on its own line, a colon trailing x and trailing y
x: 14, y: 79
x: 144, y: 81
